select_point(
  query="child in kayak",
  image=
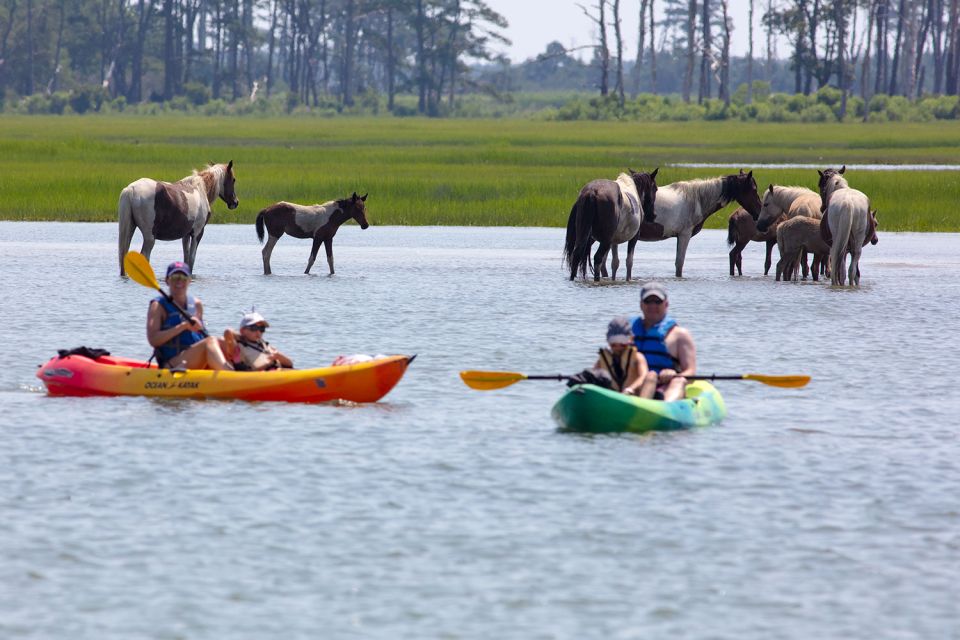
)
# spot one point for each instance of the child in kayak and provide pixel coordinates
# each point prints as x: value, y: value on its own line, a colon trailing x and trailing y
x: 247, y: 349
x: 620, y: 360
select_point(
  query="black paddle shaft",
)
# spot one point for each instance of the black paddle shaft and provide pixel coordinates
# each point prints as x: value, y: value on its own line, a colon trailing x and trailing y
x: 183, y: 312
x: 557, y: 377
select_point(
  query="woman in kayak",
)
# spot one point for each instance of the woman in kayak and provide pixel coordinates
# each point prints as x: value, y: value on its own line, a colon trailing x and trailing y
x: 248, y: 350
x: 619, y: 359
x: 178, y: 342
x: 668, y: 348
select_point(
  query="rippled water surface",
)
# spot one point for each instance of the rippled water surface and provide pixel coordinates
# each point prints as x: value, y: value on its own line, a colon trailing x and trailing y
x: 829, y: 511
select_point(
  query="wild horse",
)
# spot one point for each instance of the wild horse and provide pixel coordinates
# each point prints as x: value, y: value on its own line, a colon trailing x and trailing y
x: 608, y: 212
x: 318, y: 221
x: 847, y: 219
x: 682, y: 208
x: 173, y: 211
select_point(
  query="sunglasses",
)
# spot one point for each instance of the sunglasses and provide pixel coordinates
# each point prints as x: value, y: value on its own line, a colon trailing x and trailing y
x: 178, y: 277
x: 652, y: 300
x: 256, y: 327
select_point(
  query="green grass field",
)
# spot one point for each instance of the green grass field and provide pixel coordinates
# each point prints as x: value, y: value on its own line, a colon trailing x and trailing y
x: 452, y: 172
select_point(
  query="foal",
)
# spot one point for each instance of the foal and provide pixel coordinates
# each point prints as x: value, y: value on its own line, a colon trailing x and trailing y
x: 318, y: 221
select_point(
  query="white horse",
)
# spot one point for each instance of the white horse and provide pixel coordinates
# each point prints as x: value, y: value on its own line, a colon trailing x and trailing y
x: 681, y: 208
x: 792, y: 201
x: 848, y: 218
x: 173, y: 211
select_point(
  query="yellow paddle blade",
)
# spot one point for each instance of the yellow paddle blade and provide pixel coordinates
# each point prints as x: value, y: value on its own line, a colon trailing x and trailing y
x: 139, y: 270
x: 488, y: 380
x: 779, y: 381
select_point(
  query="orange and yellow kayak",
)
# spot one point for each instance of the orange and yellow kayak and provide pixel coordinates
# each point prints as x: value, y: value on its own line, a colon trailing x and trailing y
x: 76, y: 375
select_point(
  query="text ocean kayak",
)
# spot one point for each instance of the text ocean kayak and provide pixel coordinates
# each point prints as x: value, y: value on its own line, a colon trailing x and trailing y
x: 595, y: 409
x: 76, y: 375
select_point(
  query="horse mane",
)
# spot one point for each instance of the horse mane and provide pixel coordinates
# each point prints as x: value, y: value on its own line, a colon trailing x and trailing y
x: 792, y: 191
x: 706, y: 190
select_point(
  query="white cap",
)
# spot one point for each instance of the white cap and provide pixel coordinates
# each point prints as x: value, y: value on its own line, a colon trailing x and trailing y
x: 252, y: 318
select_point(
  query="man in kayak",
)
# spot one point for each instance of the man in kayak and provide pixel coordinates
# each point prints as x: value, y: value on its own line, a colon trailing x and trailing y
x: 178, y: 342
x: 627, y: 368
x: 668, y: 348
x: 247, y: 349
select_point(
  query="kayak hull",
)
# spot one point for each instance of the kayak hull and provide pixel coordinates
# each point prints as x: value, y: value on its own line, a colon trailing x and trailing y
x: 77, y: 375
x: 593, y: 409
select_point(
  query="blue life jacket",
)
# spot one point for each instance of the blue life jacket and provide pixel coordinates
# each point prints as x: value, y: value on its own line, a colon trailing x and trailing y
x: 169, y: 350
x: 652, y: 343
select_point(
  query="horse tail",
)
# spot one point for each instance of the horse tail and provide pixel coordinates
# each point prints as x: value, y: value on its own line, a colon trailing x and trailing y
x: 125, y: 219
x: 586, y: 213
x: 259, y: 225
x: 841, y: 238
x: 571, y: 240
x: 732, y: 231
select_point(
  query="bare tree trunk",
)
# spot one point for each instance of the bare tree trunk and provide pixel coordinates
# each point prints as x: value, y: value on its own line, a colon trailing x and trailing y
x: 391, y: 62
x: 750, y: 57
x: 725, y: 53
x: 770, y: 55
x: 5, y: 46
x: 604, y: 51
x: 840, y: 18
x: 421, y: 60
x: 953, y: 55
x: 653, y: 53
x: 691, y: 48
x: 641, y: 40
x: 927, y: 18
x: 895, y: 65
x: 29, y: 87
x: 865, y: 69
x: 52, y: 84
x: 619, y: 36
x: 705, y: 55
x: 271, y: 46
x: 349, y: 34
x: 883, y: 14
x: 936, y: 10
x: 168, y: 62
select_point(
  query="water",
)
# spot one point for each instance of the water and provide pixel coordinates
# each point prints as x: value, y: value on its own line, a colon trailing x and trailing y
x: 829, y: 511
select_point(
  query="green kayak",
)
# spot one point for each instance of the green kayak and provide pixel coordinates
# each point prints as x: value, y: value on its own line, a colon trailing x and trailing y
x: 590, y: 408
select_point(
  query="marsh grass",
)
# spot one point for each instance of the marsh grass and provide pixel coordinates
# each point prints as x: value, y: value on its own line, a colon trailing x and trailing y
x: 450, y: 172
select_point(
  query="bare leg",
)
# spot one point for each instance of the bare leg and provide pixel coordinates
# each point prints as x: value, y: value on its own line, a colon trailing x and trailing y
x: 649, y: 386
x: 205, y: 354
x: 676, y: 389
x: 266, y: 253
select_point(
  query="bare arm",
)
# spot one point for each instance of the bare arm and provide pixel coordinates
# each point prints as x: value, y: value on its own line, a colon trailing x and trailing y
x: 686, y: 352
x: 155, y: 317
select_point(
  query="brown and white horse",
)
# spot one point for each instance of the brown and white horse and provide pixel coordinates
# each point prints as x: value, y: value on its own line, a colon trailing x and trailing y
x: 318, y: 221
x: 682, y: 208
x: 173, y: 211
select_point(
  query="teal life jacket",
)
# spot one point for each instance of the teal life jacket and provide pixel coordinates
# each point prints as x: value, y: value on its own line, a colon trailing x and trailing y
x: 652, y: 343
x: 169, y: 350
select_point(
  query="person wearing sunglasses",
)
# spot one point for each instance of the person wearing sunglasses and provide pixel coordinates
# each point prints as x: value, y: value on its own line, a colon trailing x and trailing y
x: 247, y: 348
x: 621, y: 361
x: 177, y: 341
x: 667, y: 347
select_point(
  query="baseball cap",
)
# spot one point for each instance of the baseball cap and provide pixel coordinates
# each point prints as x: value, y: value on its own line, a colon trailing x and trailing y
x: 178, y: 267
x: 252, y: 318
x: 653, y: 289
x: 618, y: 331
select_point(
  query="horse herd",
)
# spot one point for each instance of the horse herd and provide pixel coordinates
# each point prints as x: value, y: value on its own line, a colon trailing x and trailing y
x: 829, y: 225
x: 181, y: 210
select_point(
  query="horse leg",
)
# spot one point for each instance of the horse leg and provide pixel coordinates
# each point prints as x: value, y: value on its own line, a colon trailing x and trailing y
x: 313, y: 253
x: 127, y: 228
x: 599, y: 258
x: 631, y: 245
x: 682, y: 241
x: 193, y: 249
x: 736, y: 257
x: 769, y: 258
x: 267, y: 251
x: 188, y: 250
x: 815, y: 267
x: 328, y: 247
x: 148, y: 241
x: 614, y: 261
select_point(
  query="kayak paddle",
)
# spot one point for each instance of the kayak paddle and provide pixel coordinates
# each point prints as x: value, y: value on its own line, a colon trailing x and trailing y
x: 140, y: 271
x: 489, y: 380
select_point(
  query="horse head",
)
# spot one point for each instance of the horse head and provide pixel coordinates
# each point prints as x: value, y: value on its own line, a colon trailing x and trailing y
x: 228, y: 187
x: 830, y: 180
x: 646, y: 184
x: 743, y: 188
x: 355, y: 208
x: 873, y: 223
x: 770, y: 211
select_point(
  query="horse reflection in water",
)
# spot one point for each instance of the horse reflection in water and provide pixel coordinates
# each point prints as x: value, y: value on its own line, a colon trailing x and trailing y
x: 173, y: 211
x: 319, y: 222
x: 608, y: 212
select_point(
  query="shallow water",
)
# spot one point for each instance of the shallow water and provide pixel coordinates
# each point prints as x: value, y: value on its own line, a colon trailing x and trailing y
x: 829, y: 511
x: 793, y: 165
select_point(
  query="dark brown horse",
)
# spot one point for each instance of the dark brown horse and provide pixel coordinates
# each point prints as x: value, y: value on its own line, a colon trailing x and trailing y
x: 318, y: 221
x: 173, y: 211
x: 741, y: 229
x: 608, y: 212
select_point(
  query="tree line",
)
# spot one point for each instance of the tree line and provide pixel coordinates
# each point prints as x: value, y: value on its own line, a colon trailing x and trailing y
x: 334, y: 53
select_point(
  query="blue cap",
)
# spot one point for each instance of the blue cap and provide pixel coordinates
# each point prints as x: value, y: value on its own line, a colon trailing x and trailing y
x: 178, y: 267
